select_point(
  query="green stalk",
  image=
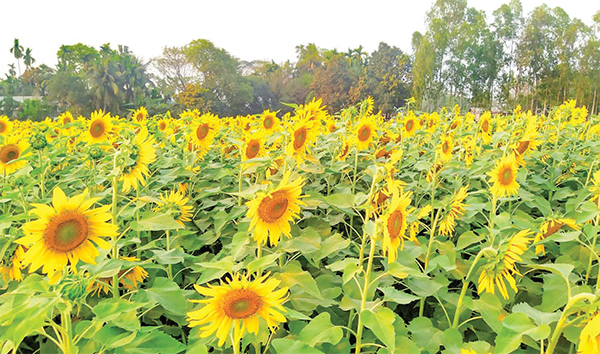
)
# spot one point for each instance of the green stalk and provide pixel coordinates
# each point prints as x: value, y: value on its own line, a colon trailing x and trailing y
x: 363, y: 299
x: 169, y: 266
x: 68, y: 332
x: 115, y: 249
x: 563, y: 318
x: 465, y: 286
x: 593, y: 250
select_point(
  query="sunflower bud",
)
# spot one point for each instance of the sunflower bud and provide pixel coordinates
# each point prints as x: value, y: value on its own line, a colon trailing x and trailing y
x: 95, y: 152
x: 38, y: 141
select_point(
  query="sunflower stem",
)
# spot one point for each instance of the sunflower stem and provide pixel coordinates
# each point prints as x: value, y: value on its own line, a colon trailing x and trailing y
x: 365, y: 289
x: 115, y: 248
x: 464, y: 289
x: 240, y: 181
x: 593, y: 249
x: 42, y: 192
x: 491, y: 219
x: 169, y: 267
x: 67, y: 335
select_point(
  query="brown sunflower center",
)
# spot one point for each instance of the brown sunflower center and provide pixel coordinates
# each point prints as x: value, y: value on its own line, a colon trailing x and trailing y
x: 252, y: 149
x: 344, y: 150
x: 523, y: 145
x: 553, y: 226
x: 139, y: 117
x: 299, y: 138
x: 66, y: 231
x: 485, y: 126
x: 273, y: 207
x: 9, y: 152
x: 268, y: 122
x: 364, y: 133
x: 97, y: 128
x: 162, y: 126
x: 394, y: 224
x: 2, y: 127
x: 202, y: 131
x: 505, y: 177
x: 332, y: 127
x: 241, y: 303
x: 409, y: 125
x: 445, y: 147
x: 66, y: 120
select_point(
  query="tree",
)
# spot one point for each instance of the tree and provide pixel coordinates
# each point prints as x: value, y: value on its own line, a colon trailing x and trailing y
x: 17, y: 51
x: 332, y: 82
x: 27, y: 58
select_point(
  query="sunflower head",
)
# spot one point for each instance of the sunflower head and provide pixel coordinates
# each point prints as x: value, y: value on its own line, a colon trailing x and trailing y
x: 13, y: 154
x: 5, y: 126
x: 394, y: 223
x: 271, y: 213
x: 364, y: 132
x: 504, y: 177
x: 140, y: 115
x: 270, y: 122
x: 99, y: 128
x: 238, y: 304
x: 66, y: 232
x: 175, y: 204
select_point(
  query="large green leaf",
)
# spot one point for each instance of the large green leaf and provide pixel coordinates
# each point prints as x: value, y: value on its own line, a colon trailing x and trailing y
x: 289, y: 346
x: 381, y: 322
x: 168, y: 294
x: 155, y: 222
x: 321, y: 330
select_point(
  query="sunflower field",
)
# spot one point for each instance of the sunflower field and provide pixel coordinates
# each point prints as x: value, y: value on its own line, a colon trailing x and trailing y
x: 301, y: 233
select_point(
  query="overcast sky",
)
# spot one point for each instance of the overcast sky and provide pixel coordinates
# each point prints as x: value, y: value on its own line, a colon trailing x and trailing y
x: 249, y: 30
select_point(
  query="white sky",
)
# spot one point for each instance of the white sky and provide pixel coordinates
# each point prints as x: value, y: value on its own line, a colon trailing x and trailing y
x: 249, y: 30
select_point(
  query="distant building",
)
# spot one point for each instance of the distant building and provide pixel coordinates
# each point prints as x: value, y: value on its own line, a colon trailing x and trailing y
x: 20, y: 99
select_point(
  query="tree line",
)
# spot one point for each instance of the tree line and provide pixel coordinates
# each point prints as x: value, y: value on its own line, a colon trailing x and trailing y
x: 464, y: 57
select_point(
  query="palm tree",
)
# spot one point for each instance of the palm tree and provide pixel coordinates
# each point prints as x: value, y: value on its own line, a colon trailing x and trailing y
x: 27, y: 58
x: 17, y: 51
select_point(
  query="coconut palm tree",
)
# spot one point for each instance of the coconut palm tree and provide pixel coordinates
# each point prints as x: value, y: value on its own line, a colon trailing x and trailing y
x: 17, y: 51
x: 27, y: 58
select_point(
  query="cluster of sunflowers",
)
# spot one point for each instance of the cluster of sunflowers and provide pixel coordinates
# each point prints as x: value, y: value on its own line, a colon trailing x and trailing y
x: 326, y: 233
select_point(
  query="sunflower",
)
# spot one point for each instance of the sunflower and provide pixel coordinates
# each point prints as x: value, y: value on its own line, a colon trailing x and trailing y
x: 99, y: 127
x: 66, y: 232
x: 13, y: 270
x: 312, y: 111
x: 141, y: 155
x: 457, y: 208
x: 411, y: 124
x: 445, y: 148
x: 364, y: 132
x: 330, y: 125
x: 139, y: 115
x: 589, y: 338
x: 12, y: 155
x: 485, y: 128
x: 270, y: 122
x: 174, y: 203
x: 395, y: 224
x: 254, y: 146
x: 272, y: 213
x: 239, y: 303
x: 65, y: 118
x: 303, y: 134
x: 504, y: 177
x: 550, y: 227
x: 203, y: 133
x: 502, y: 268
x: 5, y: 126
x: 526, y: 144
x: 344, y: 150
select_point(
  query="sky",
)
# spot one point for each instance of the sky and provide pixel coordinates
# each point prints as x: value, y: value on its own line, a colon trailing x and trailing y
x: 249, y: 30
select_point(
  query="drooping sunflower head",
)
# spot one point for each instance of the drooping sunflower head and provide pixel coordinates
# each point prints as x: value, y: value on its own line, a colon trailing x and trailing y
x: 140, y: 153
x: 549, y: 228
x: 312, y: 111
x: 394, y: 224
x: 364, y: 132
x: 13, y: 154
x: 504, y: 177
x: 140, y: 115
x: 239, y: 302
x: 176, y: 204
x: 456, y: 209
x: 589, y: 338
x: 527, y: 143
x: 344, y: 150
x: 10, y: 269
x: 271, y: 213
x: 66, y: 232
x: 99, y: 127
x: 5, y: 126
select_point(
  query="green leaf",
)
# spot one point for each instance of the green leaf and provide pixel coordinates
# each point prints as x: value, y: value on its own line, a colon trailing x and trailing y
x: 320, y: 330
x: 168, y: 294
x: 423, y: 286
x: 425, y: 335
x: 399, y: 297
x: 537, y: 316
x: 490, y: 309
x: 554, y: 295
x: 295, y: 276
x: 466, y: 239
x: 110, y: 309
x: 288, y: 346
x: 24, y: 315
x: 263, y: 262
x: 382, y: 324
x: 173, y: 256
x: 155, y: 222
x: 340, y: 200
x: 152, y: 341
